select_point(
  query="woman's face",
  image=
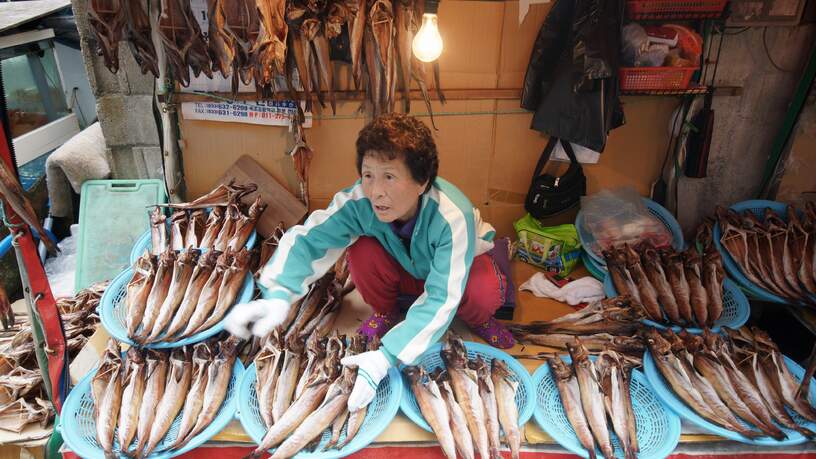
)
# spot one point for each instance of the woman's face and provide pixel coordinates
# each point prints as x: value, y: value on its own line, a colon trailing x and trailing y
x: 389, y: 185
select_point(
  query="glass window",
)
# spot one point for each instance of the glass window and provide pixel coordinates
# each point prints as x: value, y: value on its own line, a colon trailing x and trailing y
x: 34, y: 94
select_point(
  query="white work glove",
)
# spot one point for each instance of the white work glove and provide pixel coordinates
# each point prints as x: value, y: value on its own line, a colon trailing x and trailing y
x: 372, y: 366
x: 257, y: 317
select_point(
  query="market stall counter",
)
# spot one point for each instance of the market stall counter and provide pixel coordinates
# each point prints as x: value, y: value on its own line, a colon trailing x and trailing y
x: 403, y: 438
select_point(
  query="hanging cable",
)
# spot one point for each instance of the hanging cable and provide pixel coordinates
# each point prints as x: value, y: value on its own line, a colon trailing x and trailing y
x: 768, y: 52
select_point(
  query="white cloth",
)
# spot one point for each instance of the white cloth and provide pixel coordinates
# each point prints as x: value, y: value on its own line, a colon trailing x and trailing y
x: 584, y: 290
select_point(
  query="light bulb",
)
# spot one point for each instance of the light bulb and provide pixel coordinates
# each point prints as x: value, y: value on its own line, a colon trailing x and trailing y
x: 427, y: 43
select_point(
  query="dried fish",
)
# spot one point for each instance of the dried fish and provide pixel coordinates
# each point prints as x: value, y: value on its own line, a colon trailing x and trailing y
x: 134, y: 378
x: 107, y: 19
x: 138, y: 36
x: 464, y: 382
x: 107, y: 395
x: 179, y: 375
x: 198, y: 280
x: 182, y: 272
x: 433, y: 408
x: 591, y: 396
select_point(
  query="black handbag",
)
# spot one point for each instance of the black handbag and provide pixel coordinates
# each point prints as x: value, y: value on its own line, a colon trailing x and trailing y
x: 550, y: 195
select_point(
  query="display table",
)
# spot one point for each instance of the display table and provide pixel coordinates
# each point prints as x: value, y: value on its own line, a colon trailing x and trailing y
x: 404, y: 439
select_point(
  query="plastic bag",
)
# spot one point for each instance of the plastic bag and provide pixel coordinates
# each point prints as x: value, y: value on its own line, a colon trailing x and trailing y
x: 555, y: 248
x: 613, y: 217
x: 634, y: 43
x: 61, y: 269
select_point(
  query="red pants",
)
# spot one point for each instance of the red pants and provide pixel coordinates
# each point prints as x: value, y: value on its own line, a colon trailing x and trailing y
x: 380, y: 279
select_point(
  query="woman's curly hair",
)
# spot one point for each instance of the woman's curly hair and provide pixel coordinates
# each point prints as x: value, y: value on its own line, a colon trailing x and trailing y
x: 396, y: 135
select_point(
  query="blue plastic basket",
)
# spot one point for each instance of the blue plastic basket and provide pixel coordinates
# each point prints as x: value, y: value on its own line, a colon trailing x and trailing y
x: 380, y: 413
x: 657, y: 211
x: 113, y: 312
x: 597, y: 271
x: 145, y: 242
x: 78, y: 424
x: 658, y: 429
x: 757, y: 207
x: 736, y: 309
x: 662, y: 389
x: 431, y: 360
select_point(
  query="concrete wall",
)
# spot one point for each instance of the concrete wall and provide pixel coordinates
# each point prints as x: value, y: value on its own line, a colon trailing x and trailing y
x: 745, y: 126
x: 797, y: 183
x: 124, y: 104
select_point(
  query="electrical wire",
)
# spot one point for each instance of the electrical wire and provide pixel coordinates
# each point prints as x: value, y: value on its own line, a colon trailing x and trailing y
x: 768, y: 52
x: 742, y: 30
x: 717, y: 62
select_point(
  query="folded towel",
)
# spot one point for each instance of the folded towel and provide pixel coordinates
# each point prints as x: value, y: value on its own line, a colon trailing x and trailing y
x: 79, y: 159
x: 584, y: 290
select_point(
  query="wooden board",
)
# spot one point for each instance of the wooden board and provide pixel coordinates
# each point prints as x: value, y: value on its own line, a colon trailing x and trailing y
x: 282, y: 205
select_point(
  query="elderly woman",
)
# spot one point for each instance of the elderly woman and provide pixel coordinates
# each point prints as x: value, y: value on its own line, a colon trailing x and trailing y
x: 409, y: 233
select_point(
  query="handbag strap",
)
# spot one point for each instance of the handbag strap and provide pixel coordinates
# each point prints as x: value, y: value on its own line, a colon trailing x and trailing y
x: 545, y: 155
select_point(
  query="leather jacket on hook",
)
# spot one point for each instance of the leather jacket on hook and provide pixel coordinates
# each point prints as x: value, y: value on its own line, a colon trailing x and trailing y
x: 572, y: 79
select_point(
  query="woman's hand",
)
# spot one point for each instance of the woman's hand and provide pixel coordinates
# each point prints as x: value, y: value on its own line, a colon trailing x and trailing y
x: 257, y: 317
x: 372, y: 366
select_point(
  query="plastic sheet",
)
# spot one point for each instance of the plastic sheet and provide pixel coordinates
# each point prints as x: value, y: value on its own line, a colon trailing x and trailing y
x: 61, y: 270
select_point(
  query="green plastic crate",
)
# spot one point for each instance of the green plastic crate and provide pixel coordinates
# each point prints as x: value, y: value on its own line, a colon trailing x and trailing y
x: 112, y: 215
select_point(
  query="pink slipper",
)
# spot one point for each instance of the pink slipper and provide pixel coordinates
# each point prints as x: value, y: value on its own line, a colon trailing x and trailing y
x: 495, y: 333
x: 378, y: 325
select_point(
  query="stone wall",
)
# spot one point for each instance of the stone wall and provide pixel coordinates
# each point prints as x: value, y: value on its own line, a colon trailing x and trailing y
x: 124, y: 104
x: 745, y: 126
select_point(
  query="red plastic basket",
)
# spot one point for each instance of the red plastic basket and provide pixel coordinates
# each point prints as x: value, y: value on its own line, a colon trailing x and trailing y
x: 675, y: 9
x: 655, y: 78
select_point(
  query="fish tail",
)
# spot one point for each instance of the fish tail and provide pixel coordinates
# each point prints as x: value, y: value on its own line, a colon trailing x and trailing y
x: 806, y: 432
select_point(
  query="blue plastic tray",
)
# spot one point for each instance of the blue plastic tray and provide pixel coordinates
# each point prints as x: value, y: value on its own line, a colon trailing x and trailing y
x: 757, y: 206
x: 431, y: 360
x: 658, y: 429
x: 78, y: 425
x: 113, y: 312
x: 597, y: 271
x: 736, y: 309
x: 658, y: 211
x: 380, y: 413
x: 662, y: 389
x: 145, y: 243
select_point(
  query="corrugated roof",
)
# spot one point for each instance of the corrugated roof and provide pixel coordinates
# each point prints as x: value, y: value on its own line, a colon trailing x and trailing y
x: 14, y: 14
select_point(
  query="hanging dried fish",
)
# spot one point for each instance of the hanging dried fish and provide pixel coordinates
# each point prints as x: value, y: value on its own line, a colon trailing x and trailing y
x: 138, y: 36
x: 381, y: 24
x: 107, y: 20
x: 356, y: 34
x: 299, y: 51
x: 219, y: 44
x: 182, y: 40
x: 269, y: 52
x: 313, y: 32
x: 243, y: 25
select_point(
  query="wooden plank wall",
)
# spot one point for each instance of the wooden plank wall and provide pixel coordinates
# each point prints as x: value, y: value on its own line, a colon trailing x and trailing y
x: 486, y: 147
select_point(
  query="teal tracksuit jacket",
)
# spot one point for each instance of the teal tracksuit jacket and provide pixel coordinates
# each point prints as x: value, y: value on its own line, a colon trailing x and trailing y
x: 448, y: 234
